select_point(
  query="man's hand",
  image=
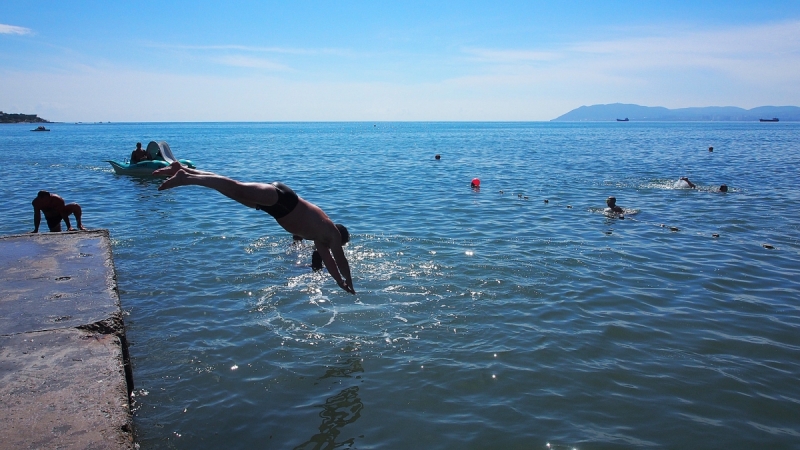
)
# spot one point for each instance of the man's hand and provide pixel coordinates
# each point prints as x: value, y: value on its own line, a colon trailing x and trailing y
x: 346, y: 287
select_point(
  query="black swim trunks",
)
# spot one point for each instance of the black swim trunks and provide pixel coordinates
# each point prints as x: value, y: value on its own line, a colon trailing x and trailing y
x: 54, y: 223
x: 287, y: 200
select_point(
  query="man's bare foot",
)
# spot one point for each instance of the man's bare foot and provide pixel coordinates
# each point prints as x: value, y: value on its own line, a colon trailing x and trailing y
x: 168, y: 171
x: 176, y: 180
x: 81, y: 227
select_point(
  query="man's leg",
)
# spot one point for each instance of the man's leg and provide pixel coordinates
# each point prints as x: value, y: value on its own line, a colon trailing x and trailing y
x: 248, y: 194
x: 175, y: 166
x: 75, y: 209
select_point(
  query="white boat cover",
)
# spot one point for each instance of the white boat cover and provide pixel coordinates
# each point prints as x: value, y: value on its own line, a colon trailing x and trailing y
x: 160, y: 151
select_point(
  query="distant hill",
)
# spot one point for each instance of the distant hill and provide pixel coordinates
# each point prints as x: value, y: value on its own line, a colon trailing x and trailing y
x: 614, y: 111
x: 21, y: 118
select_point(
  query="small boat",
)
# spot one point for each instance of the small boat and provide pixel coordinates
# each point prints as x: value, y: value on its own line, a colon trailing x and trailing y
x: 40, y: 128
x: 774, y: 119
x: 622, y: 120
x: 160, y: 156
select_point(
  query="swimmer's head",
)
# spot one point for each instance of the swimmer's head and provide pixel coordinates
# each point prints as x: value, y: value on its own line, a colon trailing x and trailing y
x: 611, y: 201
x: 723, y: 188
x: 344, y: 233
x: 438, y: 156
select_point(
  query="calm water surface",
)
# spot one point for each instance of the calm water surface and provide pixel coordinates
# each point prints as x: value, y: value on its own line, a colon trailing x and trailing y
x: 486, y: 319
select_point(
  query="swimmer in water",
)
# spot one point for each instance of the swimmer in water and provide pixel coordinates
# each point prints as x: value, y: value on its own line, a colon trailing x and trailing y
x: 691, y: 185
x: 299, y: 217
x: 612, y: 206
x: 723, y: 188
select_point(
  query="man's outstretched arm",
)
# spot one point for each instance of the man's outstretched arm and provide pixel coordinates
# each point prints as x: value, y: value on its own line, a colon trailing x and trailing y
x: 343, y: 265
x: 37, y: 219
x: 333, y: 267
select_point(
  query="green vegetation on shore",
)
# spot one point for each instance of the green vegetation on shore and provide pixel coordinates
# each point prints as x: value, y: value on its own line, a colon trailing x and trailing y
x: 21, y: 118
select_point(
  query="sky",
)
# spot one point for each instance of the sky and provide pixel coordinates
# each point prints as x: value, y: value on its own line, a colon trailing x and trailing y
x: 204, y: 61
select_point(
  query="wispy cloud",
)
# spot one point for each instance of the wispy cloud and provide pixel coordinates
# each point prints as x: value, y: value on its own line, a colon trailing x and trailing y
x: 257, y: 49
x: 11, y: 29
x: 251, y: 63
x: 504, y: 56
x: 765, y: 51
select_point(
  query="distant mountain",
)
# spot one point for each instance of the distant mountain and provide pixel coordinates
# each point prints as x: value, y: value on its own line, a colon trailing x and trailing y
x: 21, y: 118
x: 614, y: 111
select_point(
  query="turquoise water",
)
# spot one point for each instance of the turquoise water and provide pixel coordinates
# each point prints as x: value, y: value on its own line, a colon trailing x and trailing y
x: 483, y: 319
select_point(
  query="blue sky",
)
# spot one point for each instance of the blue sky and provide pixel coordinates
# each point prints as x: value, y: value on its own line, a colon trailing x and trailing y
x: 375, y: 61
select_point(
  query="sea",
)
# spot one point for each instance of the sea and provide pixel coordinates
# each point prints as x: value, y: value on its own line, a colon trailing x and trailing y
x: 514, y: 316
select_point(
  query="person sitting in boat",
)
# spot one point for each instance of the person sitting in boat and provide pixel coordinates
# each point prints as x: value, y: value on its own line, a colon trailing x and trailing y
x: 55, y: 210
x: 139, y: 154
x: 612, y: 206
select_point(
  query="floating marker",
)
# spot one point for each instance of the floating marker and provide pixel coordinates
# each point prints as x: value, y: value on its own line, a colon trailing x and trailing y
x: 476, y: 182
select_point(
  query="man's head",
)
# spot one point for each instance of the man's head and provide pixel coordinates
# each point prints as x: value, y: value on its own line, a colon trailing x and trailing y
x: 344, y: 233
x: 43, y: 194
x: 723, y: 188
x: 611, y: 201
x: 138, y: 146
x: 316, y: 260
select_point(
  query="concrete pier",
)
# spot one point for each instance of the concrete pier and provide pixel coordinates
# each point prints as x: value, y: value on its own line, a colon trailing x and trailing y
x: 65, y: 376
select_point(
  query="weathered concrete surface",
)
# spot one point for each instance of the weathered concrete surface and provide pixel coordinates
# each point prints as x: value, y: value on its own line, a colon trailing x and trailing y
x: 64, y: 373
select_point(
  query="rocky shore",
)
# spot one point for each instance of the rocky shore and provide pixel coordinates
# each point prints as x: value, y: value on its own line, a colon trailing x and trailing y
x: 21, y: 118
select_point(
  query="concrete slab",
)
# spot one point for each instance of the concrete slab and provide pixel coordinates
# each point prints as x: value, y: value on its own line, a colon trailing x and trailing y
x: 63, y: 389
x: 65, y: 379
x: 56, y: 280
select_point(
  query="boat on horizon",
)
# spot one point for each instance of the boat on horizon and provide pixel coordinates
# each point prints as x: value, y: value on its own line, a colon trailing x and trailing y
x: 622, y: 120
x: 40, y: 128
x: 774, y: 119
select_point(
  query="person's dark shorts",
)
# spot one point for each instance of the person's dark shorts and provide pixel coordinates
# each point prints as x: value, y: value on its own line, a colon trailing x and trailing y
x: 54, y: 223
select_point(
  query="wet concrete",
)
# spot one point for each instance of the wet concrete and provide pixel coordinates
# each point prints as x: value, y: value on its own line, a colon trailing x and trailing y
x: 65, y: 379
